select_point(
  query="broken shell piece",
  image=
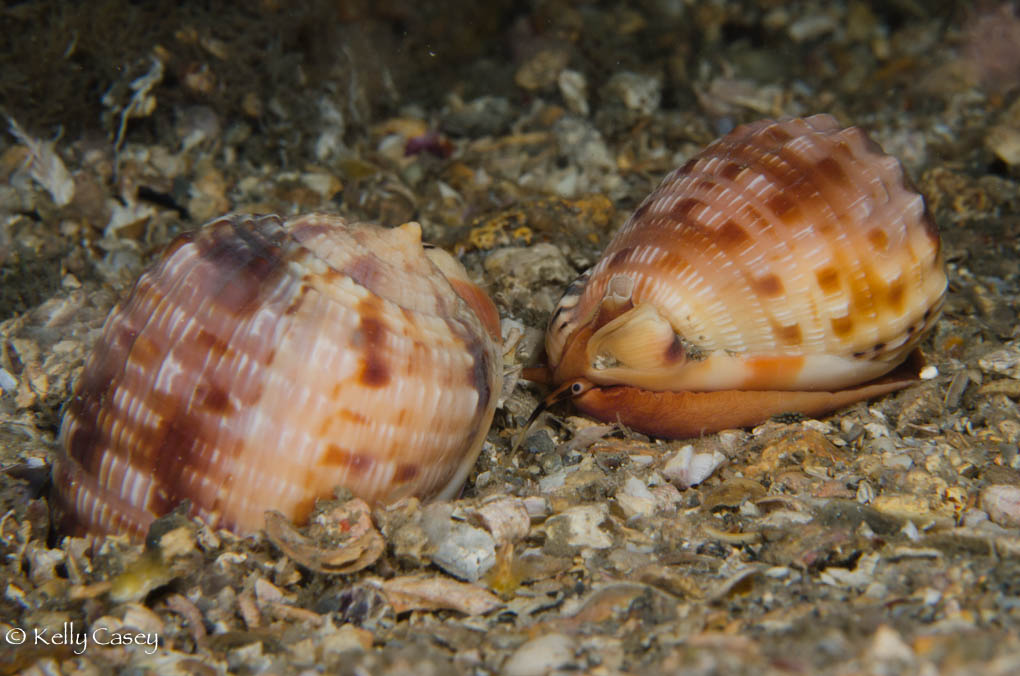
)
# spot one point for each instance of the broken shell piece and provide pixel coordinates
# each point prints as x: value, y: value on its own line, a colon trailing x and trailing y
x: 687, y: 468
x: 137, y: 616
x: 542, y: 655
x: 635, y: 499
x: 42, y: 562
x: 505, y: 517
x: 1004, y: 362
x: 859, y: 577
x: 339, y: 540
x: 412, y: 592
x: 140, y: 577
x: 45, y: 166
x: 735, y: 583
x: 192, y: 616
x: 577, y: 527
x: 462, y: 550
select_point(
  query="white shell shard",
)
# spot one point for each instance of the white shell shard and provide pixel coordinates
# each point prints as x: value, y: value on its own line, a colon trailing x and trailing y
x: 687, y: 468
x: 45, y: 166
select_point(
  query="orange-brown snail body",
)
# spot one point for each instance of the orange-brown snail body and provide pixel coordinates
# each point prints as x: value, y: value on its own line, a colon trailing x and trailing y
x: 261, y: 362
x: 789, y: 267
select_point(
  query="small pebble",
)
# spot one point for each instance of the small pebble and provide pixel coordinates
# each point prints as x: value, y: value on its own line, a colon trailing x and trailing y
x: 574, y: 90
x: 7, y: 381
x: 1004, y: 362
x: 540, y: 656
x: 542, y: 69
x: 637, y: 92
x: 1002, y: 502
x: 887, y: 645
x: 811, y: 27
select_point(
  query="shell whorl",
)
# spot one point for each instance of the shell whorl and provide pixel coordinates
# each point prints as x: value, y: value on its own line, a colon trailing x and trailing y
x: 796, y: 243
x: 261, y: 362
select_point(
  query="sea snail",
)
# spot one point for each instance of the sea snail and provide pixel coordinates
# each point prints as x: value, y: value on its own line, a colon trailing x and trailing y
x: 262, y: 361
x: 788, y: 267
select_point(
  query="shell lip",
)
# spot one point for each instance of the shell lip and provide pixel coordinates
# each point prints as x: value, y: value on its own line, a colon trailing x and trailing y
x: 589, y: 319
x: 573, y: 359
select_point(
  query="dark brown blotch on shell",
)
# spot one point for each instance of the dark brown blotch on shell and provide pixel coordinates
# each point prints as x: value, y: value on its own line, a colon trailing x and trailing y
x: 675, y: 353
x: 248, y: 257
x: 731, y: 235
x: 768, y: 286
x: 366, y: 271
x: 371, y: 338
x: 406, y: 472
x: 828, y: 279
x: 789, y: 335
x: 619, y: 257
x: 358, y: 463
x: 682, y: 209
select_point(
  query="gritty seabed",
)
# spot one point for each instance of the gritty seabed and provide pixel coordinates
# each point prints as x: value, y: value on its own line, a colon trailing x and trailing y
x: 882, y: 539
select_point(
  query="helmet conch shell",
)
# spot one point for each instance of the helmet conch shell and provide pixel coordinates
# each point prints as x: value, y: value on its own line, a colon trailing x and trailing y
x: 788, y: 256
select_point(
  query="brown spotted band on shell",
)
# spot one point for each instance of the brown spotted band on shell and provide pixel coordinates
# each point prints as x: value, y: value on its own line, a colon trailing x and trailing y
x: 262, y: 361
x: 788, y: 267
